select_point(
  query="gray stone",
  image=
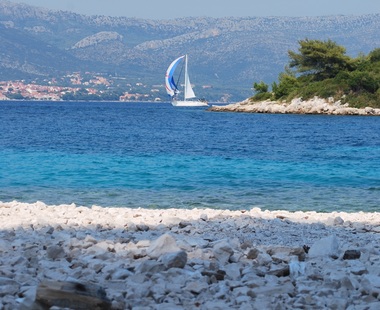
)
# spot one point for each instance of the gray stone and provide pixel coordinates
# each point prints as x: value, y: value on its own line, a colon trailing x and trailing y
x: 55, y: 252
x: 351, y: 254
x: 271, y: 290
x: 279, y: 270
x: 174, y: 260
x: 196, y: 287
x: 347, y: 283
x: 204, y: 217
x: 8, y: 287
x: 215, y: 305
x: 358, y: 270
x: 183, y: 224
x: 253, y: 253
x: 338, y: 221
x: 150, y: 266
x: 142, y: 227
x: 4, y: 246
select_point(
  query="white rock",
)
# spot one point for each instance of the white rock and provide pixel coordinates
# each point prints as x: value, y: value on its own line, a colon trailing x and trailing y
x: 223, y: 251
x: 27, y: 301
x: 121, y: 274
x: 164, y: 244
x: 328, y: 246
x: 374, y: 280
x: 297, y: 268
x: 4, y: 246
x: 263, y: 259
x: 233, y: 271
x: 90, y: 239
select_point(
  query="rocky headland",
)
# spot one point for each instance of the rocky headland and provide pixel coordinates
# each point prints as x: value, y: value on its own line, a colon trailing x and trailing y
x: 296, y: 106
x: 73, y: 257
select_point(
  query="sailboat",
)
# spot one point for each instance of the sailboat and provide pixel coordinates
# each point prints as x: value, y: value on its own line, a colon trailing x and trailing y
x: 173, y: 91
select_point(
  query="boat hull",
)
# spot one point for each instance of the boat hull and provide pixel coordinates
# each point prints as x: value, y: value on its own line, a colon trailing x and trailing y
x: 189, y: 103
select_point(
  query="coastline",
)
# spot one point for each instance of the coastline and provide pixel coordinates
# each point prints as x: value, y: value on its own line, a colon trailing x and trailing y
x: 181, y: 259
x: 296, y: 106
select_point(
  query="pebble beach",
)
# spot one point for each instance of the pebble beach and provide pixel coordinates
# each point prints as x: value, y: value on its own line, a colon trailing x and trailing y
x: 188, y: 259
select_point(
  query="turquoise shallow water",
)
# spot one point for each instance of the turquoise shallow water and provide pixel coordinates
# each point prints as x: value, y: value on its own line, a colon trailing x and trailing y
x: 157, y: 156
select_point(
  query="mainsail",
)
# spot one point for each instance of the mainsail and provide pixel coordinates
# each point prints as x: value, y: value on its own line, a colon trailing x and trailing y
x: 171, y: 87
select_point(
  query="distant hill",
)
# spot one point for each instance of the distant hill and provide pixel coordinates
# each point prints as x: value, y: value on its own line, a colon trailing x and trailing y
x: 227, y: 53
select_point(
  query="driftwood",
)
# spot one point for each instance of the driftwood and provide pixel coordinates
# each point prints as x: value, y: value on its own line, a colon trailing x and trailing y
x: 71, y: 295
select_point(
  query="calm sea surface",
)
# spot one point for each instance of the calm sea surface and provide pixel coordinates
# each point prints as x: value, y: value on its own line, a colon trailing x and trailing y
x: 157, y: 156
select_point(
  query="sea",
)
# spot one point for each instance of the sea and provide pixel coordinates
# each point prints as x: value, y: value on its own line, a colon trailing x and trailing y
x: 153, y: 155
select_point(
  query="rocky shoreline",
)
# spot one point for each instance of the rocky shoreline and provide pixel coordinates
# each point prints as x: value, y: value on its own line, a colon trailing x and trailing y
x: 296, y: 106
x: 187, y: 259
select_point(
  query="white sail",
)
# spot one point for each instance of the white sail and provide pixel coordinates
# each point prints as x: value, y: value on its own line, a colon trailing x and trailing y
x: 189, y: 93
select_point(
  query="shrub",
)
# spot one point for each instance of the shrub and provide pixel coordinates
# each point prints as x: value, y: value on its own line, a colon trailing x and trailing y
x: 262, y: 96
x: 287, y: 84
x: 363, y: 81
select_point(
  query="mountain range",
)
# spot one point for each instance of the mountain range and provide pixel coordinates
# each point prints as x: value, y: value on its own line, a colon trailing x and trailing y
x: 228, y: 54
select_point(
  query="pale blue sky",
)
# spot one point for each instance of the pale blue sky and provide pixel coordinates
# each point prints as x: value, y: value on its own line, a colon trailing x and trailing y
x: 169, y: 9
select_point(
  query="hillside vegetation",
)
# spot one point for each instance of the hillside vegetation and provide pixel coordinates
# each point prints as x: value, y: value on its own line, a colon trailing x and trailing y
x: 322, y: 68
x: 225, y: 54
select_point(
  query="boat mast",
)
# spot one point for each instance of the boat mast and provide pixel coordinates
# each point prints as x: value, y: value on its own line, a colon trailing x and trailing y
x: 185, y: 90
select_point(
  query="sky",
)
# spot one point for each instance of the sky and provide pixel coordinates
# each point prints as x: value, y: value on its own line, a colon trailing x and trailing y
x: 170, y: 9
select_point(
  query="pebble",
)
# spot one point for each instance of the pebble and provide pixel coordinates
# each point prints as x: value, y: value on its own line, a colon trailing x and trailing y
x: 187, y: 259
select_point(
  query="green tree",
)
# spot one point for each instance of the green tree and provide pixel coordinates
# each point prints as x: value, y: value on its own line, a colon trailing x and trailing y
x: 68, y: 96
x: 321, y: 68
x: 374, y: 56
x: 323, y: 59
x: 260, y: 87
x: 16, y: 96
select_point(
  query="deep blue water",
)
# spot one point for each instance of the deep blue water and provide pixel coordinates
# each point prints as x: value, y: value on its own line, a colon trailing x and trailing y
x: 156, y: 156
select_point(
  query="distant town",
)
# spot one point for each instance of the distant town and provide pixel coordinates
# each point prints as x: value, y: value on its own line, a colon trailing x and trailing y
x: 79, y: 86
x: 87, y: 86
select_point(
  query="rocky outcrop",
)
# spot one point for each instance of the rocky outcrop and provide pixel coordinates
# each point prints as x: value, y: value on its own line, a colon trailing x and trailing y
x: 178, y: 40
x: 296, y: 106
x: 187, y: 259
x: 97, y: 38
